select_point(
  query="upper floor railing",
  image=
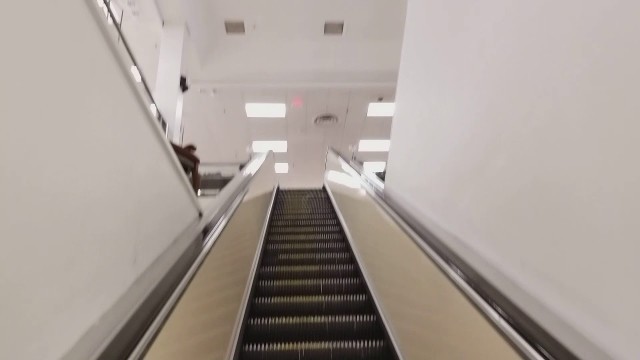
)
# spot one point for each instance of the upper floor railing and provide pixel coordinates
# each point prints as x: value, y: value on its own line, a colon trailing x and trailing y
x: 114, y: 17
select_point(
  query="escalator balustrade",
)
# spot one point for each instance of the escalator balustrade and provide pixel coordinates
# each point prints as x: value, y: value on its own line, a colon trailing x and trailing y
x: 309, y: 300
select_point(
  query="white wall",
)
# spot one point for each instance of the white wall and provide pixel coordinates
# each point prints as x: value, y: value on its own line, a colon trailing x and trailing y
x: 517, y: 136
x: 143, y: 36
x: 104, y: 200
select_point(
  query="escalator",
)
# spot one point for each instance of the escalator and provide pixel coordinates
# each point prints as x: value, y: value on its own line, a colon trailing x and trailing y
x: 309, y: 299
x: 277, y: 278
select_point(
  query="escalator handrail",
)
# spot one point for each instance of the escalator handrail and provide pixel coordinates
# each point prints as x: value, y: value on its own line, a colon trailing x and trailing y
x: 143, y: 80
x: 532, y: 341
x: 374, y: 182
x: 230, y: 198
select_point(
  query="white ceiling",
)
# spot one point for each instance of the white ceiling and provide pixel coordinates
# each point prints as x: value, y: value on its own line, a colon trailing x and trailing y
x: 284, y: 42
x: 283, y: 56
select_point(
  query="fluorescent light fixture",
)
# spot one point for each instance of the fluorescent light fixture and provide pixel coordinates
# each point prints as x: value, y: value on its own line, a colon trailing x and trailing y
x: 282, y: 168
x: 381, y: 109
x: 374, y: 166
x: 277, y: 146
x: 265, y: 110
x: 136, y: 73
x: 374, y: 145
x: 154, y: 110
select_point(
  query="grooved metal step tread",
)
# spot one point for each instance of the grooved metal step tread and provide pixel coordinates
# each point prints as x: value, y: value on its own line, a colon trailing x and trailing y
x: 309, y: 299
x: 286, y: 216
x: 307, y: 258
x: 321, y: 327
x: 305, y: 237
x: 317, y: 214
x: 307, y: 271
x: 312, y: 305
x: 304, y: 229
x: 310, y: 286
x: 304, y: 222
x: 350, y: 349
x: 308, y: 245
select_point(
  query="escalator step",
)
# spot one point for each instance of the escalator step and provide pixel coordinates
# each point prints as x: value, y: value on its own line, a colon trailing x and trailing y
x: 304, y: 222
x: 309, y: 286
x: 351, y: 349
x: 311, y: 305
x: 304, y: 328
x: 308, y: 271
x: 307, y: 258
x: 304, y: 229
x: 315, y: 213
x: 308, y: 246
x: 287, y: 216
x: 305, y: 237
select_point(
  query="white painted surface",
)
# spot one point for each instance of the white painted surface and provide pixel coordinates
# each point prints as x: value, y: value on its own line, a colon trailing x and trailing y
x: 143, y: 36
x: 285, y: 41
x: 168, y: 94
x: 516, y: 133
x: 100, y: 206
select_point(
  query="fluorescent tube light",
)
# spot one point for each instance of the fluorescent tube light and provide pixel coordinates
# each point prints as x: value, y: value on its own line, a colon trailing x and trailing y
x: 374, y: 145
x: 380, y: 109
x: 265, y: 110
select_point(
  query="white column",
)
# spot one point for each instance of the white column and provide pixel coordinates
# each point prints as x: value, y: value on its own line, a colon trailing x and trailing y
x: 518, y: 144
x: 167, y: 91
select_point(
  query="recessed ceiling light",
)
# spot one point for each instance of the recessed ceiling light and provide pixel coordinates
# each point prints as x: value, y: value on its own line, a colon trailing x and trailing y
x: 374, y: 145
x: 136, y: 73
x: 374, y: 166
x: 265, y: 110
x: 333, y: 27
x: 234, y: 27
x: 281, y: 168
x: 381, y: 109
x: 277, y: 146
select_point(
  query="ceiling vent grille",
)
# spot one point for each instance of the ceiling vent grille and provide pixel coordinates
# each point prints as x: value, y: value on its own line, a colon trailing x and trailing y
x: 233, y: 27
x: 326, y: 119
x: 333, y: 27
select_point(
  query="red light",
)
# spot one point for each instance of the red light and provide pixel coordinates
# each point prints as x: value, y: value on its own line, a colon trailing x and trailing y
x: 296, y: 102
